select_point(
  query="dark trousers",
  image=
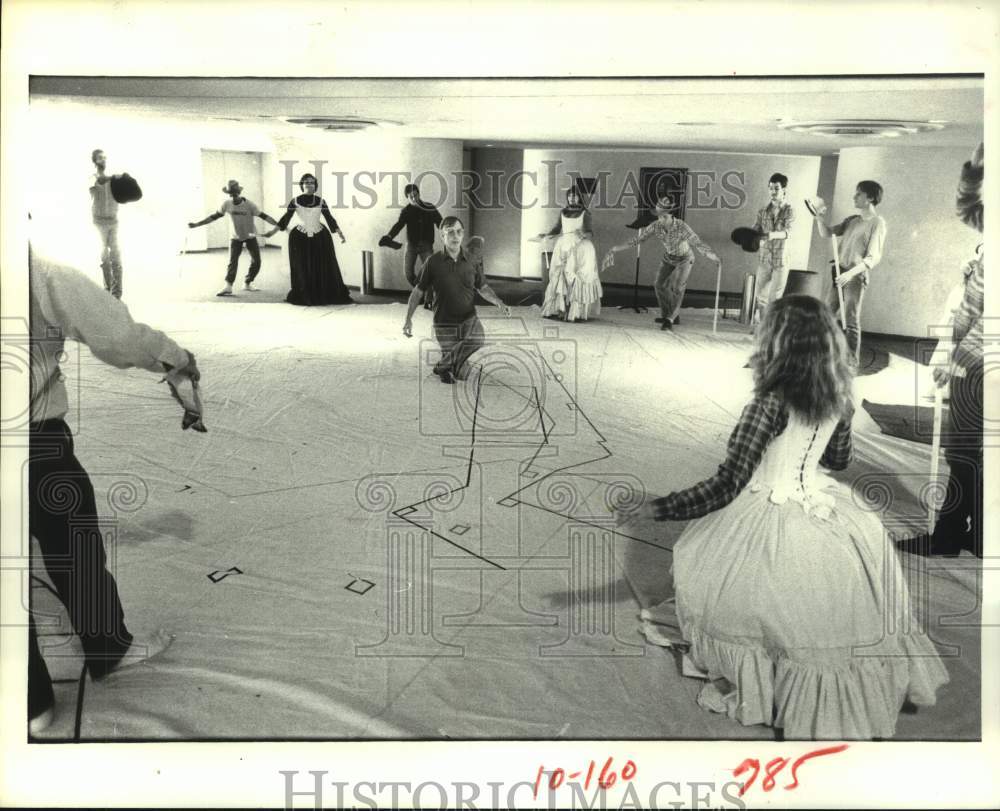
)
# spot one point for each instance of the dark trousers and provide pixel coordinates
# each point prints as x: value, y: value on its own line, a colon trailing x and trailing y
x: 235, y: 249
x: 960, y: 523
x: 458, y: 342
x: 415, y: 251
x: 62, y: 514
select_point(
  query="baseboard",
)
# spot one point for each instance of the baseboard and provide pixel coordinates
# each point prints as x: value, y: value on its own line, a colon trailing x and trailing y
x: 510, y: 278
x: 226, y: 249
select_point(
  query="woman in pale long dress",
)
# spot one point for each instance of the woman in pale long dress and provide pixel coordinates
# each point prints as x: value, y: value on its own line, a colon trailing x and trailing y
x: 574, y: 290
x: 789, y: 597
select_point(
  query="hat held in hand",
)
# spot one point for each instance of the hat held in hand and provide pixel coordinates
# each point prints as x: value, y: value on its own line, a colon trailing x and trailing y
x: 816, y: 205
x: 747, y: 238
x: 124, y: 188
x: 389, y: 242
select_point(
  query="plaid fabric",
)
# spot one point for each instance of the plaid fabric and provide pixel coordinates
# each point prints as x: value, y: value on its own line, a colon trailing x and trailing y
x: 839, y: 450
x: 763, y: 419
x: 671, y: 236
x: 967, y: 332
x: 772, y: 251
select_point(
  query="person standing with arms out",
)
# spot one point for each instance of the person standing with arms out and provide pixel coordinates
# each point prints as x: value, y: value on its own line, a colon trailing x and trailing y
x: 104, y: 210
x: 960, y: 524
x: 242, y: 232
x: 774, y: 223
x: 678, y: 238
x: 62, y: 508
x: 421, y: 220
x: 455, y: 277
x: 862, y: 240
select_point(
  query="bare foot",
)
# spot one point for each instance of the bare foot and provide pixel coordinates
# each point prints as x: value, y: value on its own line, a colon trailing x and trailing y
x: 42, y: 722
x: 143, y: 648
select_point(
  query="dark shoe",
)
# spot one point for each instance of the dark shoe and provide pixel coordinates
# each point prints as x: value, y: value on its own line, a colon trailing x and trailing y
x: 659, y: 320
x: 927, y: 546
x: 666, y: 324
x: 447, y: 376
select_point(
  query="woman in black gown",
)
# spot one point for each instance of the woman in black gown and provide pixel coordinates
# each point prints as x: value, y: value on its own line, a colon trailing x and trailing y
x: 312, y: 260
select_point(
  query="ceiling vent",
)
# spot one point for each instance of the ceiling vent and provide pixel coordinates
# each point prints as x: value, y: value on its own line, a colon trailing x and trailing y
x: 861, y: 128
x: 341, y: 123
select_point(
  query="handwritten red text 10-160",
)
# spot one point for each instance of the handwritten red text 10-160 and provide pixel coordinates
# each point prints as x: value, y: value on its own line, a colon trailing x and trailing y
x: 605, y: 779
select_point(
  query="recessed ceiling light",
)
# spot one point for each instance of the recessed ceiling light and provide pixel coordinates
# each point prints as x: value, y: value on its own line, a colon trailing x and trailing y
x: 340, y: 123
x: 861, y: 128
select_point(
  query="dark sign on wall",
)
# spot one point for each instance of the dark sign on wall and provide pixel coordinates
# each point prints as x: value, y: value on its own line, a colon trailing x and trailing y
x: 657, y: 183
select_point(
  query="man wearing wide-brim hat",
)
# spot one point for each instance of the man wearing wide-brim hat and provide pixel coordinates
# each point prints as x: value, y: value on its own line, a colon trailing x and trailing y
x: 678, y: 238
x: 242, y: 232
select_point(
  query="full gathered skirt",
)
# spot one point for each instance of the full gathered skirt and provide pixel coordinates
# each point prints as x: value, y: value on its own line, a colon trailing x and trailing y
x: 574, y: 290
x: 803, y: 620
x: 315, y: 273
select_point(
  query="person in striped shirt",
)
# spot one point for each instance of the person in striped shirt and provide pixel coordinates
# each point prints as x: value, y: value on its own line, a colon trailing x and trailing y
x: 678, y: 239
x: 960, y: 523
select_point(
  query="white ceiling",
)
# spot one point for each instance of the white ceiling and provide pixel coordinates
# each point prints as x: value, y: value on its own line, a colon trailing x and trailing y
x: 717, y: 114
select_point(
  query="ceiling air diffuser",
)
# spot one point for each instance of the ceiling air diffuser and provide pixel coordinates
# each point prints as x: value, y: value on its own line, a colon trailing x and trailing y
x: 861, y: 128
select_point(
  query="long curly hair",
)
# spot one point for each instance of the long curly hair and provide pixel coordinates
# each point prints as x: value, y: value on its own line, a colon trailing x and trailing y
x: 801, y: 356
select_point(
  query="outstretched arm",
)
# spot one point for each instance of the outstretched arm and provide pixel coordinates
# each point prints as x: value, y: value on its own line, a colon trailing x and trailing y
x: 86, y: 313
x: 487, y: 293
x: 210, y: 218
x: 761, y: 421
x: 695, y: 240
x: 400, y: 223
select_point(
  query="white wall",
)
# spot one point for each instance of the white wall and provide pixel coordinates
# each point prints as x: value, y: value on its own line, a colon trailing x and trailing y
x: 367, y: 197
x: 713, y: 224
x: 820, y: 252
x: 498, y: 220
x: 164, y: 155
x: 925, y: 244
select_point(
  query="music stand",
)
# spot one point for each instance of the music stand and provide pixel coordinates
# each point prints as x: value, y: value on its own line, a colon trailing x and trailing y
x: 639, y: 222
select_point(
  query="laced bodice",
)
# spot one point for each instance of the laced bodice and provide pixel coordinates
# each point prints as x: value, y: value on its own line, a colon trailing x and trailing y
x: 789, y: 467
x: 310, y: 219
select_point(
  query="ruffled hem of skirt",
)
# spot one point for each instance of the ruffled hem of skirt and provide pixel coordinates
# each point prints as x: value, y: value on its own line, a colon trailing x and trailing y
x: 835, y: 694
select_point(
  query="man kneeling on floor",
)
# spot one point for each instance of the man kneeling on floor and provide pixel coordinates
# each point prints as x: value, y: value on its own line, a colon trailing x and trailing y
x: 455, y: 277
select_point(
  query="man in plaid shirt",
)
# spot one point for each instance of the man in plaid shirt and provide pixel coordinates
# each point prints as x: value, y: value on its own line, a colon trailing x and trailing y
x: 678, y: 238
x: 960, y: 525
x: 774, y: 223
